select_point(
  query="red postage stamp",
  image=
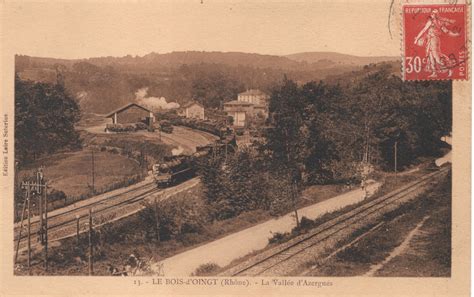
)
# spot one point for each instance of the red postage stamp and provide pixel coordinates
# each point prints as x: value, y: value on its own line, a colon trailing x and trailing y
x: 435, y: 41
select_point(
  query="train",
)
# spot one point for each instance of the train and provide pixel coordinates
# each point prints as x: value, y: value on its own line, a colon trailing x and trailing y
x: 165, y: 126
x: 176, y: 169
x: 217, y: 128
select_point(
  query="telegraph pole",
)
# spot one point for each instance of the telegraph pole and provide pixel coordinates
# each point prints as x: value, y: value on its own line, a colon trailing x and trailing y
x: 39, y: 180
x: 77, y: 228
x: 29, y: 226
x: 294, y: 193
x: 45, y: 227
x: 39, y: 189
x: 91, y: 268
x: 93, y: 172
x: 395, y: 159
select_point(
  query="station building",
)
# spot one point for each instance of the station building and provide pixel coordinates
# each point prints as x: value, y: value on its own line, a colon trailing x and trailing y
x: 248, y: 105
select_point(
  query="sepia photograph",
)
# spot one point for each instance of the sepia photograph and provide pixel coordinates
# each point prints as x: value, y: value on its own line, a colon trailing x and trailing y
x: 235, y: 143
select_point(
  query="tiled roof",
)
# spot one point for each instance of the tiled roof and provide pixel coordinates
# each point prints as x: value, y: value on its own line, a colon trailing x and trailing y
x: 125, y: 107
x: 192, y: 103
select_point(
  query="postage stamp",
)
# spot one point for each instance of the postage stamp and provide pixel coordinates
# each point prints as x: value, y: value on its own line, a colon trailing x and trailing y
x: 435, y: 41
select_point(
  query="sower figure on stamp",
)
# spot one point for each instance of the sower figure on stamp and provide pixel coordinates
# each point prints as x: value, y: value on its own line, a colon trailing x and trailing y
x: 434, y: 27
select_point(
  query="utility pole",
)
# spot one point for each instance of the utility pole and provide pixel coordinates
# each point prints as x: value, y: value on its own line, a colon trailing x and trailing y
x: 294, y: 193
x: 39, y: 189
x: 91, y: 268
x: 77, y: 228
x: 39, y: 180
x: 93, y: 172
x: 45, y: 193
x: 395, y: 159
x: 29, y: 227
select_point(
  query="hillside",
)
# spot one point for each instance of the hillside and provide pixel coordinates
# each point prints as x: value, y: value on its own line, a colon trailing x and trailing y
x: 351, y: 77
x: 168, y: 61
x: 104, y: 83
x: 332, y: 59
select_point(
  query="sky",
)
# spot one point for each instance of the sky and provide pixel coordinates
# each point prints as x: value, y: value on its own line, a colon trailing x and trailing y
x: 92, y: 29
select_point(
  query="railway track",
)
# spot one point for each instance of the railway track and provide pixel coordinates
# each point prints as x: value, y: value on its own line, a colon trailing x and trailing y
x: 64, y: 224
x: 280, y: 258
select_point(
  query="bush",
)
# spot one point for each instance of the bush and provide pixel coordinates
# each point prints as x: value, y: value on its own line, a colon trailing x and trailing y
x: 305, y: 224
x: 278, y: 237
x: 206, y: 269
x: 55, y: 195
x: 141, y: 126
x: 181, y: 219
x: 121, y: 127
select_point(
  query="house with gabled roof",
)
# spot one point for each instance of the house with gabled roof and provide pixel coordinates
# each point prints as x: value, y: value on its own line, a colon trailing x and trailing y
x: 131, y: 113
x: 192, y: 110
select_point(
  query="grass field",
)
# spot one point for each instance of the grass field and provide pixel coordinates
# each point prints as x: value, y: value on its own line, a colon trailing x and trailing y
x: 71, y: 172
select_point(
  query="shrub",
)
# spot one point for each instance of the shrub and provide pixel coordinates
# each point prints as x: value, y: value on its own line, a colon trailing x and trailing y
x: 206, y: 269
x: 141, y: 126
x: 278, y: 237
x: 121, y: 127
x: 175, y: 219
x: 306, y: 224
x: 55, y: 195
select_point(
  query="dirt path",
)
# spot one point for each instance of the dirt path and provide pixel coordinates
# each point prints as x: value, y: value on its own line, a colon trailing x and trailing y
x: 223, y: 251
x: 398, y: 250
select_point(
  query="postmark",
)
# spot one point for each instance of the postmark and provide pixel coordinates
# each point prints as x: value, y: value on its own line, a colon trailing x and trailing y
x: 434, y: 45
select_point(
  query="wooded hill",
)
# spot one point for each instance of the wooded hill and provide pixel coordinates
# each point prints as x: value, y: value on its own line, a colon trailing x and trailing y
x: 104, y: 83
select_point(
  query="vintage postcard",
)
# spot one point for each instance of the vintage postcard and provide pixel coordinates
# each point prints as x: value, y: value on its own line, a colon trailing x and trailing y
x: 230, y: 147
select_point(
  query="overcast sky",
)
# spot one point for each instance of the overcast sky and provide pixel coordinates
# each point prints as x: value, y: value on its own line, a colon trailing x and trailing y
x: 78, y: 30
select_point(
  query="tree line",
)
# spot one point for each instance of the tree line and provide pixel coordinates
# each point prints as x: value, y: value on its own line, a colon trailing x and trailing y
x: 323, y: 131
x: 45, y: 115
x: 320, y: 133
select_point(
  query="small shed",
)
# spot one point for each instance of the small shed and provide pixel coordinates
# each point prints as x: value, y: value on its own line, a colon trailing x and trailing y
x: 193, y: 110
x: 131, y: 113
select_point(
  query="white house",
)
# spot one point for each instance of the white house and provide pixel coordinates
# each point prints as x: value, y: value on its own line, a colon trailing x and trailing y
x: 192, y: 110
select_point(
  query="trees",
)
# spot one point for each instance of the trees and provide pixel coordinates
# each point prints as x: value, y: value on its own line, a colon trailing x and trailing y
x: 327, y: 130
x: 45, y: 116
x: 213, y: 88
x: 320, y: 133
x: 285, y: 140
x: 242, y: 183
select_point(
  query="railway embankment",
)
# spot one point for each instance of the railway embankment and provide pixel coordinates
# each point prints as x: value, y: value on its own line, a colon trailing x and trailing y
x: 223, y: 251
x: 332, y: 235
x: 411, y: 241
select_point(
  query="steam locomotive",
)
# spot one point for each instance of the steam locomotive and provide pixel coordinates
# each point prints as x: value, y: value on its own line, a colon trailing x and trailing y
x: 176, y: 169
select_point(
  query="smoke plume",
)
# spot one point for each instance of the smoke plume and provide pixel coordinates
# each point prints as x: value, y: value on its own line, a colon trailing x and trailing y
x: 153, y: 103
x: 177, y: 151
